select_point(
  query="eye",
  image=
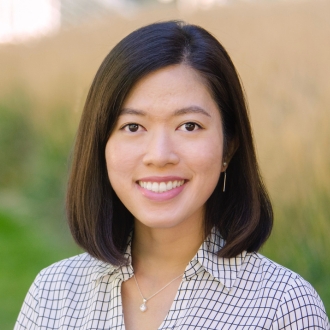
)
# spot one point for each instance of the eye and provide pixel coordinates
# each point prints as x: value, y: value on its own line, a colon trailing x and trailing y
x: 190, y: 126
x: 132, y: 127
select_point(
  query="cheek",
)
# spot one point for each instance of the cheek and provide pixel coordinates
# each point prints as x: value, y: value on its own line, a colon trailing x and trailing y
x: 120, y: 161
x: 210, y: 167
x: 206, y: 156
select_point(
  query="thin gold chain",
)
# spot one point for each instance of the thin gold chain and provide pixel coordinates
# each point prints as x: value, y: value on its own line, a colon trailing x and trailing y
x: 146, y: 299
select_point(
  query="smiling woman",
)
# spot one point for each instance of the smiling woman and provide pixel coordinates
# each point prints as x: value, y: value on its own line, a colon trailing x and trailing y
x: 166, y: 198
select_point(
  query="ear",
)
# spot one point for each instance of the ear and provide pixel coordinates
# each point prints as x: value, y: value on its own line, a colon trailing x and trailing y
x: 230, y: 152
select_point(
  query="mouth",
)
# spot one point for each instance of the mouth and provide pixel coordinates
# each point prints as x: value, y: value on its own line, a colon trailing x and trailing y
x: 160, y: 187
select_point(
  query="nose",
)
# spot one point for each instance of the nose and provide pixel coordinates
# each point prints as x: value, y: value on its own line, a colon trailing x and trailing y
x: 160, y: 150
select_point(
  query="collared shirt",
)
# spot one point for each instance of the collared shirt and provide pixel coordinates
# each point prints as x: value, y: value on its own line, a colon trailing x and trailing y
x: 245, y: 292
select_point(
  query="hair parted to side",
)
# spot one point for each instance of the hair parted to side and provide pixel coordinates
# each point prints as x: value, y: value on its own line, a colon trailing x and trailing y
x: 99, y: 222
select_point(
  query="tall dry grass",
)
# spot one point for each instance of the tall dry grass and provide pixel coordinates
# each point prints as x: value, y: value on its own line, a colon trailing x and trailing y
x: 282, y: 52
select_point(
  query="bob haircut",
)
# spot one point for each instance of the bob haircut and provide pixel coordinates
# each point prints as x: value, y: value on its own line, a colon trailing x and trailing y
x: 98, y: 220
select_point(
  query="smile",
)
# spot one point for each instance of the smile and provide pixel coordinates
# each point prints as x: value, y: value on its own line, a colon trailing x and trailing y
x: 160, y: 187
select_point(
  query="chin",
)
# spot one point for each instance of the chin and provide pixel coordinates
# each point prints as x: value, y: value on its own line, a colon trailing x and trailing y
x: 159, y: 223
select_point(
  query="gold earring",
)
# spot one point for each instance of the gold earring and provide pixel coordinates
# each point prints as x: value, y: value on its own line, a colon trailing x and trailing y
x: 225, y: 177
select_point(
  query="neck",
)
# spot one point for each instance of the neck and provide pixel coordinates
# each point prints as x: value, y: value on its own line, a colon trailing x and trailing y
x: 156, y: 251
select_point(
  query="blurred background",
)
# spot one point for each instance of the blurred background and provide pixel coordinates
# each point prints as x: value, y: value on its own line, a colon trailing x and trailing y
x: 49, y: 53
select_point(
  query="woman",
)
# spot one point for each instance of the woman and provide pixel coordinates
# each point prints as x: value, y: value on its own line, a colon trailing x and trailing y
x: 166, y: 198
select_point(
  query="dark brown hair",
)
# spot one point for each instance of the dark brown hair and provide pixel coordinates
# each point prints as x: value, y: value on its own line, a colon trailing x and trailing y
x: 99, y: 222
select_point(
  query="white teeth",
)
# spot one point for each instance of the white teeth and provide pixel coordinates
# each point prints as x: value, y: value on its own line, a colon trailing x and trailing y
x: 160, y: 187
x: 155, y: 187
x: 169, y: 185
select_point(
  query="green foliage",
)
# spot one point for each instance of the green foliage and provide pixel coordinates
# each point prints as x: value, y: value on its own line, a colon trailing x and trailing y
x: 34, y: 166
x: 24, y: 251
x: 16, y: 140
x: 34, y: 160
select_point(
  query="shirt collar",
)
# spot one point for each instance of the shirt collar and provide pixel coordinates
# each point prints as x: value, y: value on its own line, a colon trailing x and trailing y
x: 225, y: 270
x: 107, y: 269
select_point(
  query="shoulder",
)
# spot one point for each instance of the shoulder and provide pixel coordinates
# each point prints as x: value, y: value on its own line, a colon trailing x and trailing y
x: 80, y: 269
x: 297, y: 303
x: 268, y: 271
x: 79, y: 263
x: 260, y: 269
x: 56, y: 287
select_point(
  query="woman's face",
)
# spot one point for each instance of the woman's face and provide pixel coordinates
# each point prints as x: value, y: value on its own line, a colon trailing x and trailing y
x: 164, y: 157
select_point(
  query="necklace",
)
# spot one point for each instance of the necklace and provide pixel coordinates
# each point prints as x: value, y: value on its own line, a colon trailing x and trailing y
x: 143, y: 307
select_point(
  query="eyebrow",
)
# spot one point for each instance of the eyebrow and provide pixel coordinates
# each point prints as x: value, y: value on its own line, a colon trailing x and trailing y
x: 129, y: 111
x: 180, y: 112
x: 192, y: 109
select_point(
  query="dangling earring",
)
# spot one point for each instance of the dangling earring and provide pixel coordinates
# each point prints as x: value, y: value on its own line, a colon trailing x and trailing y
x: 224, y: 178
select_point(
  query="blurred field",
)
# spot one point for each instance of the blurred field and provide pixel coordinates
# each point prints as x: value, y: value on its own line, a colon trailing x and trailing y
x: 282, y: 52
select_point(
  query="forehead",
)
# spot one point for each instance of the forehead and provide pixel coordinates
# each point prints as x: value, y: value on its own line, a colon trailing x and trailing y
x: 170, y: 89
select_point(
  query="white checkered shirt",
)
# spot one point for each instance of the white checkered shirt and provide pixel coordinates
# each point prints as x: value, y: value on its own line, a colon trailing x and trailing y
x: 245, y: 292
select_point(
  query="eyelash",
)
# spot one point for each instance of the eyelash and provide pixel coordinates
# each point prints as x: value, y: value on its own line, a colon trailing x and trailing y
x: 192, y: 123
x: 137, y: 126
x: 126, y: 127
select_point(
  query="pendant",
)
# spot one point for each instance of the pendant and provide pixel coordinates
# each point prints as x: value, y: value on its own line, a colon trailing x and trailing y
x: 143, y: 307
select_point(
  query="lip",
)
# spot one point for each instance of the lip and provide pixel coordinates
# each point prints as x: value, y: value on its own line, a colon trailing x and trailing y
x: 161, y: 178
x: 164, y: 196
